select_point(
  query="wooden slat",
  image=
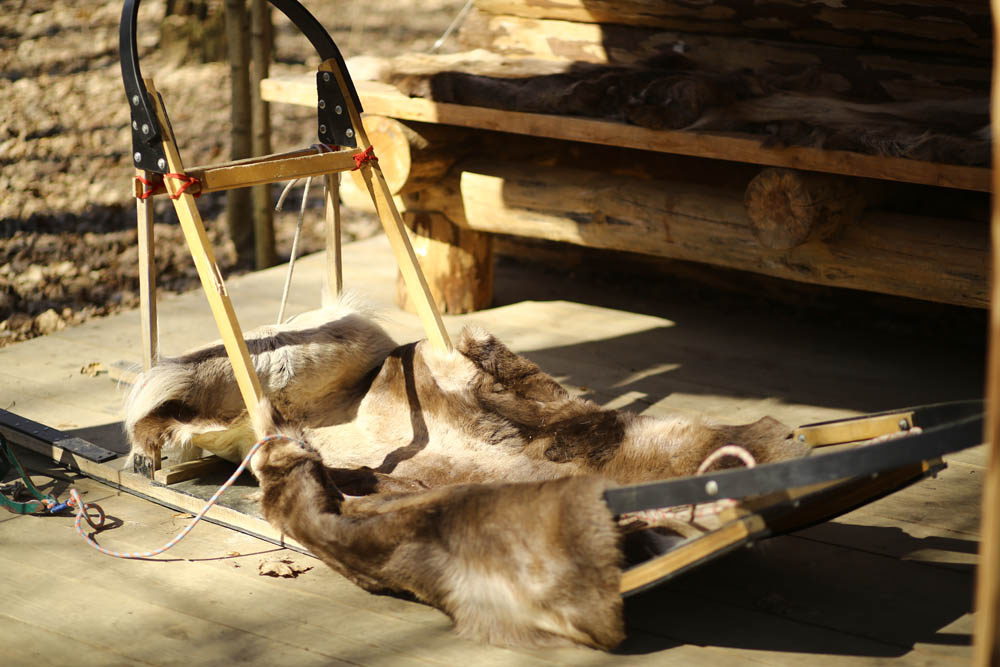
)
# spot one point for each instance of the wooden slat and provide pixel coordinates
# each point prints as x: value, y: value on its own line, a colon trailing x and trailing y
x: 383, y: 99
x: 334, y: 260
x: 190, y: 469
x: 255, y: 171
x: 688, y: 555
x: 854, y: 430
x: 147, y: 277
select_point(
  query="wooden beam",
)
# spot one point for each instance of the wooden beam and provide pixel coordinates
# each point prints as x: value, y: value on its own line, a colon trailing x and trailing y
x: 986, y: 643
x: 334, y: 260
x: 386, y: 100
x: 918, y: 25
x: 855, y: 73
x: 884, y: 252
x: 190, y: 469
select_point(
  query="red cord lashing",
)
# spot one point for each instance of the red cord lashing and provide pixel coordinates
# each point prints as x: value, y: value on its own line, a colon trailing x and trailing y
x: 150, y: 187
x: 361, y: 159
x: 188, y: 182
x: 156, y: 186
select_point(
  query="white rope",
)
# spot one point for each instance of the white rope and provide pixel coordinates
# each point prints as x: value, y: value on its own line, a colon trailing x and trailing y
x: 320, y: 148
x: 458, y: 19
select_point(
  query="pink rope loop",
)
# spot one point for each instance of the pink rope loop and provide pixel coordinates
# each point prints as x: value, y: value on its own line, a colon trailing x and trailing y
x: 727, y: 450
x: 81, y: 508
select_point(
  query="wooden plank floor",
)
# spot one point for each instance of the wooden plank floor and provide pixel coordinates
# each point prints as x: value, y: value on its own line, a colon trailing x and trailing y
x: 888, y: 583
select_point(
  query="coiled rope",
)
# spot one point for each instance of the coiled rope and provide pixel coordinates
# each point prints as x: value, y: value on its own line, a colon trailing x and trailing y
x: 83, y: 508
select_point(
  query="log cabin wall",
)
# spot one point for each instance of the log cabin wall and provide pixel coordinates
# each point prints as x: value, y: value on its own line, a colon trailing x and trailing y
x: 895, y: 78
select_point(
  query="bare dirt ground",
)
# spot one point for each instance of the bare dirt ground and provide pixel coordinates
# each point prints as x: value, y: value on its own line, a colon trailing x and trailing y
x: 67, y: 216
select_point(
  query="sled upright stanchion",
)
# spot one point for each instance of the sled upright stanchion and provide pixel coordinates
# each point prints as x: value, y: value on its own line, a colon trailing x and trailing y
x: 395, y: 230
x: 344, y: 146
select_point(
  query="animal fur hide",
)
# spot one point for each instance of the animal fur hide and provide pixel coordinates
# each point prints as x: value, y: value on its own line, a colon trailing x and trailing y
x: 671, y: 92
x: 470, y: 479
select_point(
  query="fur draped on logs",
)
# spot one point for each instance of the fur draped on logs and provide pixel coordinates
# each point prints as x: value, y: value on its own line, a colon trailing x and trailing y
x: 470, y: 478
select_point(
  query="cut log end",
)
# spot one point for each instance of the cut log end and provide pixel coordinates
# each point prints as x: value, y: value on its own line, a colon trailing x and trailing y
x: 788, y: 208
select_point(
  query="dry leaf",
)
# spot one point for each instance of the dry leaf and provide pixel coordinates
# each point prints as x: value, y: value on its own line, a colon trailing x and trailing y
x: 93, y: 369
x: 281, y: 567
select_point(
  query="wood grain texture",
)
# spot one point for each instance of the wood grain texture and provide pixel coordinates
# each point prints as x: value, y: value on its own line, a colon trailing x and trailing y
x: 383, y: 99
x: 457, y: 262
x: 957, y: 28
x: 147, y: 277
x: 876, y: 76
x: 883, y: 252
x: 987, y: 632
x: 788, y: 208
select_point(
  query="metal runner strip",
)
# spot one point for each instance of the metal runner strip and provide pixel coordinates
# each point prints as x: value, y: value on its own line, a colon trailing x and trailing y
x: 16, y: 428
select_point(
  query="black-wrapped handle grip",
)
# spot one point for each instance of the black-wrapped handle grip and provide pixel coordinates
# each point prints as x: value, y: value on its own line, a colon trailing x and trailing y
x: 146, y: 134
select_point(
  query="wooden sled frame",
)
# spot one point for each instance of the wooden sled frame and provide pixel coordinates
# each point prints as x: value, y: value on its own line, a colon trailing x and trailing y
x: 155, y: 152
x: 787, y: 510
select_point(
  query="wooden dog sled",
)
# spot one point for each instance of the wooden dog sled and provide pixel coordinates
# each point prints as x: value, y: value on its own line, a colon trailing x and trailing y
x: 763, y: 501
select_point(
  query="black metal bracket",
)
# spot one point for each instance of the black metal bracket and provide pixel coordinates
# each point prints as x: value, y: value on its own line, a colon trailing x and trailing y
x: 20, y: 429
x: 147, y: 136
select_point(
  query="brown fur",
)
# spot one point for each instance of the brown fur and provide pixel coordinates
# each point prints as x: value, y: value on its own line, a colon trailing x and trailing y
x: 477, y: 479
x: 482, y: 553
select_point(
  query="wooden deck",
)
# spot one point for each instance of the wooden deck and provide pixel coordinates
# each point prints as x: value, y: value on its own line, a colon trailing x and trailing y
x: 889, y: 583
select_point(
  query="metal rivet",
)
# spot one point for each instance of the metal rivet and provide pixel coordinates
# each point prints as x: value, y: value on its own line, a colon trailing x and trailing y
x: 145, y: 128
x: 711, y: 487
x: 322, y: 104
x: 135, y: 125
x: 161, y: 163
x: 874, y: 475
x: 326, y: 76
x: 338, y: 110
x: 796, y: 504
x: 904, y: 425
x: 349, y: 133
x: 322, y: 129
x: 802, y: 437
x: 137, y: 157
x: 135, y: 100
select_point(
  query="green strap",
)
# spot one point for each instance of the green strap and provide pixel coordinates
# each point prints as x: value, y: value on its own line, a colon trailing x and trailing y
x: 7, y: 461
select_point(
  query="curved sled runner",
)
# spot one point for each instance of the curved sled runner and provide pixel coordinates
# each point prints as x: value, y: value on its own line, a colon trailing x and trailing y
x: 779, y: 498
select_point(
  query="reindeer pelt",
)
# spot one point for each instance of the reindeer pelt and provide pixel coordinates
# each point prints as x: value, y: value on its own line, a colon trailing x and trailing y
x: 469, y: 478
x: 190, y: 401
x: 527, y: 564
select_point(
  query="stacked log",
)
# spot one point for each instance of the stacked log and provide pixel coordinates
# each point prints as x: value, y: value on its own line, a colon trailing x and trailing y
x: 905, y: 79
x: 960, y: 27
x: 841, y: 245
